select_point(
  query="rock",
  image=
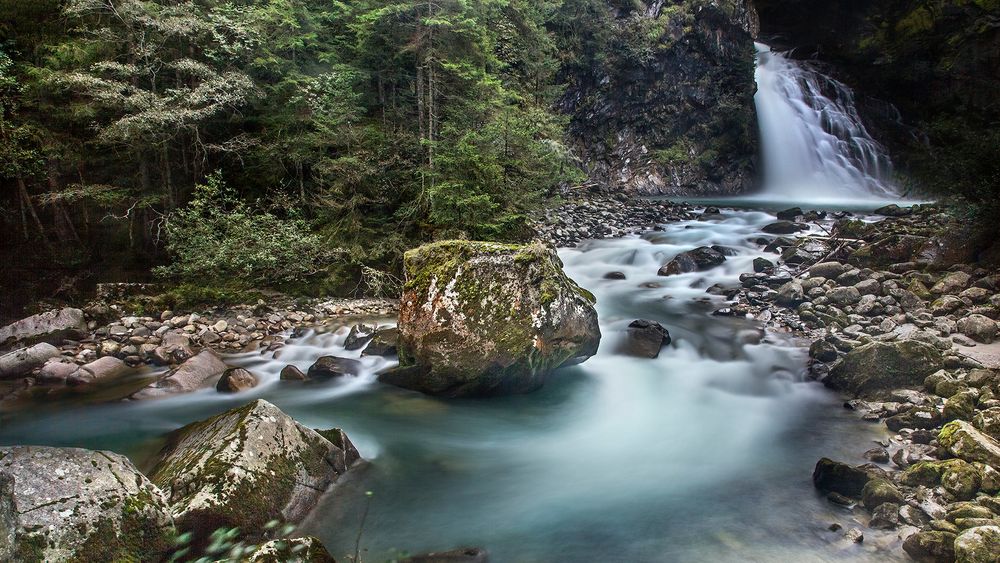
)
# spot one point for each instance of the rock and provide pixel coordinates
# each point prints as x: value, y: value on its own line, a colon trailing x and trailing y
x: 828, y: 270
x: 384, y: 343
x: 248, y: 466
x: 919, y: 417
x: 461, y: 555
x: 791, y: 294
x: 854, y: 535
x: 69, y: 504
x: 20, y: 362
x: 882, y: 366
x: 101, y: 369
x: 783, y: 228
x: 978, y: 545
x: 979, y: 328
x: 962, y: 440
x: 697, y: 260
x: 988, y: 421
x: 292, y: 373
x: 837, y: 477
x: 298, y: 550
x: 56, y: 370
x: 614, y: 276
x: 645, y: 338
x: 893, y: 210
x: 951, y: 284
x: 885, y: 516
x: 52, y: 327
x: 762, y: 265
x: 822, y: 351
x: 961, y: 479
x: 843, y: 296
x: 790, y: 214
x: 196, y: 373
x: 930, y: 546
x: 359, y: 336
x: 960, y: 405
x: 879, y: 491
x: 332, y: 366
x: 236, y: 380
x: 483, y: 318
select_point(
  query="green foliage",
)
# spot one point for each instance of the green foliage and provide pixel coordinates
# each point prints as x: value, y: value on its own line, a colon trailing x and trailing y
x: 218, y: 237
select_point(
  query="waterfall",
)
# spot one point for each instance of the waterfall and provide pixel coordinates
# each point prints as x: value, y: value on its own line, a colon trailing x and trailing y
x: 814, y: 144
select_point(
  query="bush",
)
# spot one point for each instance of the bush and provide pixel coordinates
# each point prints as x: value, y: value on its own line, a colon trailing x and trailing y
x: 218, y: 238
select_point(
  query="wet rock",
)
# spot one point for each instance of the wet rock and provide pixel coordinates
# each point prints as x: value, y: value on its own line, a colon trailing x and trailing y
x: 843, y: 296
x: 783, y: 228
x: 246, y: 467
x: 298, y: 550
x: 822, y: 351
x: 20, y: 362
x: 101, y: 369
x: 885, y: 516
x: 761, y: 265
x: 791, y: 294
x: 614, y: 276
x: 384, y: 343
x: 960, y: 405
x: 461, y: 555
x: 930, y: 546
x: 963, y: 441
x: 292, y: 373
x: 828, y: 270
x: 69, y: 504
x: 196, y: 373
x: 978, y: 545
x: 854, y: 535
x: 790, y: 214
x: 52, y: 327
x: 879, y: 491
x: 837, y: 477
x: 893, y: 210
x: 331, y: 366
x: 961, y: 479
x: 359, y: 336
x: 881, y: 366
x: 979, y: 328
x: 236, y: 380
x: 697, y: 260
x: 920, y: 417
x: 485, y: 319
x: 645, y: 339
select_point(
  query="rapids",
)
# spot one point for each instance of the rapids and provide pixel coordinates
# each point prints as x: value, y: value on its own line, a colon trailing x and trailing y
x: 704, y: 454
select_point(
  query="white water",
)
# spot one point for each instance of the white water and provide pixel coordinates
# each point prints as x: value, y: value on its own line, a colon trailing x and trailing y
x: 815, y: 147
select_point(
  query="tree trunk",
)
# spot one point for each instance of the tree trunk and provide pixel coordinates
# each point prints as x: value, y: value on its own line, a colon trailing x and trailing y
x: 26, y: 199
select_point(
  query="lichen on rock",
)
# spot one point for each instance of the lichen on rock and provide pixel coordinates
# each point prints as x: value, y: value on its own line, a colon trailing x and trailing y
x: 480, y: 318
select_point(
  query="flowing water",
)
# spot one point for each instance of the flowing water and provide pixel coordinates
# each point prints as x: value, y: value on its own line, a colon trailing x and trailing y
x: 703, y: 454
x: 815, y: 146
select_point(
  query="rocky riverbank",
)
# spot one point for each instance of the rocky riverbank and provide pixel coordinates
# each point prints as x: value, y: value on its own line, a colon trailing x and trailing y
x: 905, y: 326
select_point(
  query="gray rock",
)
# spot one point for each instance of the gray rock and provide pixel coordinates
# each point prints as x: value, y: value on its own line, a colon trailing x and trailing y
x: 829, y: 270
x: 883, y: 366
x: 783, y: 228
x: 978, y: 545
x: 21, y: 362
x: 384, y: 343
x: 292, y: 373
x: 69, y: 504
x: 790, y: 294
x: 645, y: 338
x: 332, y: 366
x: 56, y: 370
x: 52, y: 327
x: 359, y: 336
x: 953, y: 283
x: 101, y: 369
x: 930, y: 546
x: 844, y: 296
x: 964, y: 441
x: 697, y: 260
x: 248, y: 466
x: 236, y: 380
x: 978, y: 328
x: 196, y: 373
x: 297, y: 550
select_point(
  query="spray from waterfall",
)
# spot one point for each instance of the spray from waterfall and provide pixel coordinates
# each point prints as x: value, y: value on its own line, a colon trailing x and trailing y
x: 814, y: 144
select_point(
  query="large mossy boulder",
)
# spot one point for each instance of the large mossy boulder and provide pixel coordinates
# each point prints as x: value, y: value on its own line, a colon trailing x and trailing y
x: 70, y: 504
x: 480, y: 318
x: 963, y: 441
x: 883, y: 366
x: 248, y: 466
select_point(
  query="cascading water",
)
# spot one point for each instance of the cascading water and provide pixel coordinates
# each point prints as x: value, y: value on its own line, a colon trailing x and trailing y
x: 815, y: 147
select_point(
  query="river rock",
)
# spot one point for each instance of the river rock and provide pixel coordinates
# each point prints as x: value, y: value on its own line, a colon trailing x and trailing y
x: 248, y: 466
x: 978, y: 327
x: 52, y: 327
x: 645, y: 339
x: 697, y: 260
x: 783, y: 228
x: 384, y: 343
x: 978, y: 545
x: 101, y: 369
x: 298, y: 550
x: 359, y: 336
x: 196, y: 373
x: 951, y: 284
x: 56, y: 370
x: 790, y: 214
x: 828, y: 270
x: 988, y: 421
x: 930, y: 546
x: 762, y: 265
x: 482, y: 318
x: 236, y: 380
x: 70, y: 504
x: 962, y: 440
x: 843, y: 296
x: 836, y: 477
x: 292, y: 373
x: 882, y: 366
x: 879, y: 491
x: 791, y: 294
x: 331, y: 366
x: 20, y: 362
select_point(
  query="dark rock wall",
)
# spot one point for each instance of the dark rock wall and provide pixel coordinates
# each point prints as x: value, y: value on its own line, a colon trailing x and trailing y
x: 667, y: 106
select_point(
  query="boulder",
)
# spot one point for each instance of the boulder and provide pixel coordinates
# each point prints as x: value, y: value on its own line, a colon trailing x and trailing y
x: 836, y: 477
x: 828, y: 270
x: 883, y: 366
x: 783, y: 228
x: 329, y: 367
x: 791, y: 294
x: 298, y: 550
x: 893, y: 210
x: 645, y: 338
x: 790, y: 214
x: 930, y: 546
x: 196, y: 373
x: 697, y: 260
x: 248, y: 466
x: 962, y: 440
x: 69, y: 504
x: 879, y: 491
x: 844, y: 296
x: 55, y: 371
x: 885, y: 516
x: 359, y: 336
x: 21, y: 362
x: 52, y: 327
x: 951, y: 284
x: 236, y: 380
x: 961, y: 405
x: 988, y: 421
x: 978, y: 327
x: 822, y: 351
x: 292, y: 373
x: 961, y: 479
x: 101, y: 369
x: 762, y: 265
x: 978, y: 545
x: 384, y: 343
x: 481, y: 318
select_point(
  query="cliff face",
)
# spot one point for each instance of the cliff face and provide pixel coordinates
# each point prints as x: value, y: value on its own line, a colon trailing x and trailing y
x: 664, y: 103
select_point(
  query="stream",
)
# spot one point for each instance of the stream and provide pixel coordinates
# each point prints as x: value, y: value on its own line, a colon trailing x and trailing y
x: 703, y: 454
